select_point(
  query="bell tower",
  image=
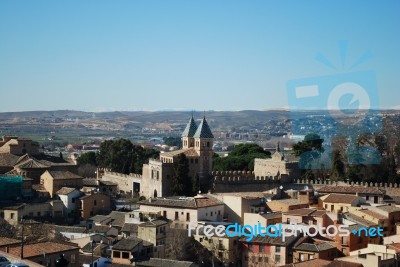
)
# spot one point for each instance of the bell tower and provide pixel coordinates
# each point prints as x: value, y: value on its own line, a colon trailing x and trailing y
x: 188, y: 133
x: 203, y: 144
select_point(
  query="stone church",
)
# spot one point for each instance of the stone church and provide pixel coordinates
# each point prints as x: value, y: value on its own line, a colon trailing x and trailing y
x: 197, y: 146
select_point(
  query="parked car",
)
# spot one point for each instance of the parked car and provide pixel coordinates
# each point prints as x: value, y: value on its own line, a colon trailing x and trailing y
x: 4, y: 261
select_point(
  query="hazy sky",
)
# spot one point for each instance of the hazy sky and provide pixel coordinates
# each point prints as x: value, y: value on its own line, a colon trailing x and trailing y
x: 201, y: 55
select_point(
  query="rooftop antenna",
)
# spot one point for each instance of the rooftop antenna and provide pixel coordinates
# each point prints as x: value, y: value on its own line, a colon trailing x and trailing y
x: 204, y: 116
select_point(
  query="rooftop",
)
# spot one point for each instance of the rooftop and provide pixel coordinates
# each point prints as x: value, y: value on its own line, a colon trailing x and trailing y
x: 203, y: 131
x: 351, y: 190
x: 5, y: 241
x: 306, y: 212
x: 33, y: 250
x: 340, y: 198
x: 182, y: 202
x: 65, y: 191
x: 59, y: 175
x: 190, y: 129
x: 127, y: 244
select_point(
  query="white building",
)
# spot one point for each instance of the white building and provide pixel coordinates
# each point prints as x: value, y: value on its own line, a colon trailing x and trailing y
x: 68, y: 196
x: 183, y: 211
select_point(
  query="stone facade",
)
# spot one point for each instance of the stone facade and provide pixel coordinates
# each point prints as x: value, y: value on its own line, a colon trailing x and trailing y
x: 278, y: 166
x: 197, y: 146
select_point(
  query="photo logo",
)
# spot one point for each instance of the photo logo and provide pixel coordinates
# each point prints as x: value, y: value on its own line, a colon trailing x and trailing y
x: 281, y: 230
x: 347, y: 105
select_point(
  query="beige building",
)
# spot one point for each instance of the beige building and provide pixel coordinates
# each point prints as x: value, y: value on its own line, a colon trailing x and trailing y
x: 131, y: 249
x: 92, y: 204
x: 264, y: 218
x: 155, y: 232
x: 279, y: 166
x: 54, y: 209
x: 183, y: 211
x: 284, y: 205
x: 374, y: 256
x: 18, y: 146
x: 339, y: 202
x: 306, y: 216
x: 225, y: 249
x: 372, y: 195
x: 53, y: 181
x: 126, y: 183
x: 197, y: 146
x: 239, y: 203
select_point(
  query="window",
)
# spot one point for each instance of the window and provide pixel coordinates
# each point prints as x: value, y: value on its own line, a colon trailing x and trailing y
x: 208, y: 144
x: 116, y: 254
x: 95, y: 203
x: 260, y: 259
x: 211, y: 214
x: 73, y: 200
x: 176, y: 215
x: 187, y: 216
x: 301, y: 257
x: 277, y: 249
x: 125, y: 255
x: 165, y: 214
x: 158, y: 175
x: 251, y: 247
x: 12, y: 215
x: 219, y: 212
x: 288, y: 220
x: 191, y: 161
x: 262, y: 248
x: 366, y: 197
x: 38, y: 214
x: 72, y: 258
x: 196, y: 161
x: 326, y: 206
x: 277, y: 258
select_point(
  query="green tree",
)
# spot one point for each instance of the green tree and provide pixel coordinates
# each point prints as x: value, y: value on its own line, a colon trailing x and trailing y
x: 88, y: 158
x: 195, y: 184
x: 337, y: 172
x: 311, y: 142
x: 181, y: 182
x: 240, y: 158
x: 124, y: 157
x: 173, y: 141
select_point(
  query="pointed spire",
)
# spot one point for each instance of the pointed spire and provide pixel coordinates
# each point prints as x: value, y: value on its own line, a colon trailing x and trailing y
x: 278, y: 149
x: 190, y: 129
x: 203, y: 131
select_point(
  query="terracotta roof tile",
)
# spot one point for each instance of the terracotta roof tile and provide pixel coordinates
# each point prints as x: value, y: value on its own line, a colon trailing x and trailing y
x: 59, y: 175
x: 351, y: 190
x: 340, y: 198
x: 33, y: 250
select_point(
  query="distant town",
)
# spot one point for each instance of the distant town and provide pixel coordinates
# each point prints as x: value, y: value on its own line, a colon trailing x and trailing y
x: 153, y: 189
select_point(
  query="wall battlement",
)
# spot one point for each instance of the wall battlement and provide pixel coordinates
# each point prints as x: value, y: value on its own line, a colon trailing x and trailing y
x: 131, y: 175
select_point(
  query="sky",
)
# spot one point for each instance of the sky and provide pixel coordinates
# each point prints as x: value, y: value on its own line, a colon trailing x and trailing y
x: 188, y: 55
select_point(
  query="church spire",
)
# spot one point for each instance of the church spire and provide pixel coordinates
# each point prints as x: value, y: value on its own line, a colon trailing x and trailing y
x: 203, y: 131
x: 190, y: 129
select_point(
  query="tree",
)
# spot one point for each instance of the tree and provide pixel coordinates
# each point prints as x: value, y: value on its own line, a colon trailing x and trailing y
x: 196, y: 184
x: 124, y: 157
x: 311, y: 142
x: 241, y: 158
x: 6, y: 229
x: 337, y: 172
x: 173, y: 141
x: 87, y: 170
x: 88, y: 158
x: 181, y: 183
x: 61, y: 155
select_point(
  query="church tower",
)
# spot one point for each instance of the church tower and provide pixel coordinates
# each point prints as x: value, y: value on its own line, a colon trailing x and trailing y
x: 203, y: 144
x: 188, y: 133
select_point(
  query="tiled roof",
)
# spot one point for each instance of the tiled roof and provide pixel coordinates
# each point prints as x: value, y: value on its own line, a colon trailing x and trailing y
x: 203, y: 131
x: 88, y: 247
x: 314, y: 247
x: 70, y: 229
x: 306, y: 212
x: 7, y: 160
x: 100, y: 229
x: 358, y: 220
x: 374, y: 214
x: 89, y: 182
x: 59, y: 175
x: 118, y: 218
x: 130, y: 227
x: 351, y: 190
x: 189, y: 152
x: 154, y: 223
x: 65, y: 191
x: 101, y: 219
x: 388, y: 208
x: 186, y: 202
x: 4, y: 241
x: 340, y: 198
x: 190, y: 129
x: 31, y: 164
x: 277, y: 241
x: 127, y: 244
x: 33, y: 250
x: 339, y: 263
x: 289, y: 202
x: 310, y: 263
